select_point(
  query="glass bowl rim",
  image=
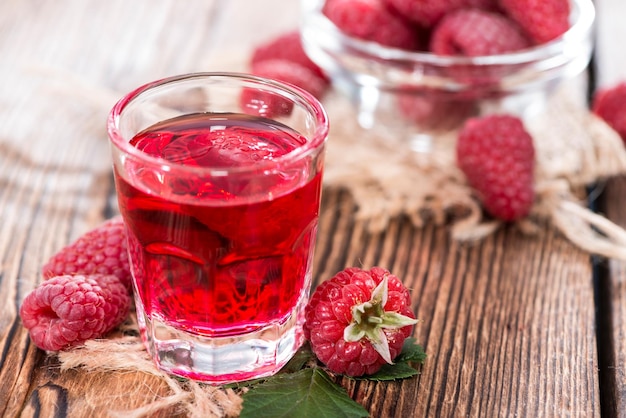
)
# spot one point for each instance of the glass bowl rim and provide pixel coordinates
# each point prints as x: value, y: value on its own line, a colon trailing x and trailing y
x: 582, y: 10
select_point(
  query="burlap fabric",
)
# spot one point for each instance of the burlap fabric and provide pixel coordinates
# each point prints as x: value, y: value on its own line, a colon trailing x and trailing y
x: 574, y: 149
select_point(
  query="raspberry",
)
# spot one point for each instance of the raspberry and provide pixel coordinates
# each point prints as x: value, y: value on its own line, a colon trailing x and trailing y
x: 434, y: 110
x: 610, y: 104
x: 99, y: 251
x: 491, y: 5
x: 65, y: 311
x: 474, y: 32
x: 372, y: 21
x: 542, y: 20
x: 269, y: 105
x: 288, y: 47
x: 358, y: 320
x: 496, y: 154
x: 426, y: 13
x: 291, y: 72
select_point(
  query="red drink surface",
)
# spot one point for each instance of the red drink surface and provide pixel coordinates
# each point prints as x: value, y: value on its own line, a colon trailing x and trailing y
x: 220, y: 255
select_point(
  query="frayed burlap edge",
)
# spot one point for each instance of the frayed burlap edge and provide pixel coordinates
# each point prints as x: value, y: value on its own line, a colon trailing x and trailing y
x: 574, y: 149
x: 128, y: 353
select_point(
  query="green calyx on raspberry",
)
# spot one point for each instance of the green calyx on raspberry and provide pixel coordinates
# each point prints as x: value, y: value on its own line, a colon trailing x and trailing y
x: 369, y: 319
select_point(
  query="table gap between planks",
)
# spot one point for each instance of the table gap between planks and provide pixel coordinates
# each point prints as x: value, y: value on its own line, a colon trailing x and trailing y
x: 509, y: 323
x: 609, y: 68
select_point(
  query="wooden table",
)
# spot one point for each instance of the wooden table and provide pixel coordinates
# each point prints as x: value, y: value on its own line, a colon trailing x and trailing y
x: 513, y: 326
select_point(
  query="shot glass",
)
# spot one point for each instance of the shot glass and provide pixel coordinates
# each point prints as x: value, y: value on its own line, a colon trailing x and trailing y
x: 218, y: 179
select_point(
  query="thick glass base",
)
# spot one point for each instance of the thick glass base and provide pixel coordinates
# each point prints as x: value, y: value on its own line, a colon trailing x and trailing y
x: 235, y: 358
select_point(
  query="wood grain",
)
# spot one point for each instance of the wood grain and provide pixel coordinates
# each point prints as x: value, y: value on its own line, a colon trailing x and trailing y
x: 508, y: 323
x: 505, y: 322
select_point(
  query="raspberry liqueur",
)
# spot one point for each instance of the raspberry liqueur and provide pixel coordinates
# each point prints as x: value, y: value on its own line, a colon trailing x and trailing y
x: 212, y: 257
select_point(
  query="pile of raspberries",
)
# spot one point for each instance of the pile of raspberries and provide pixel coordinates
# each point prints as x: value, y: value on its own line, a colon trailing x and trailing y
x: 442, y: 27
x: 452, y: 27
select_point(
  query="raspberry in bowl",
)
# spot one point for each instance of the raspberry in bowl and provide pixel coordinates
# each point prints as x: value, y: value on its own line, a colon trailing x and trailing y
x: 416, y: 68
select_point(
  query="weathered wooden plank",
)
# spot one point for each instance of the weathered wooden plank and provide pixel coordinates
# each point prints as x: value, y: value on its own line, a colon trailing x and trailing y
x: 611, y: 69
x: 505, y: 322
x: 78, y: 393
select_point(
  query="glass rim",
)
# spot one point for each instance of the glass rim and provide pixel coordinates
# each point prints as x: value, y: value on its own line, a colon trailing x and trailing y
x: 582, y: 10
x: 306, y: 100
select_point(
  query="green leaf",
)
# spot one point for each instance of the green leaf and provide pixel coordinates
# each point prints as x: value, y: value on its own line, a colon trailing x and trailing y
x: 308, y: 393
x: 392, y: 372
x: 411, y: 351
x: 401, y: 369
x: 303, y: 356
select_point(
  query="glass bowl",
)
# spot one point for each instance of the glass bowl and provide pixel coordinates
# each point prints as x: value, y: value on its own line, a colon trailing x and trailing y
x: 416, y: 95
